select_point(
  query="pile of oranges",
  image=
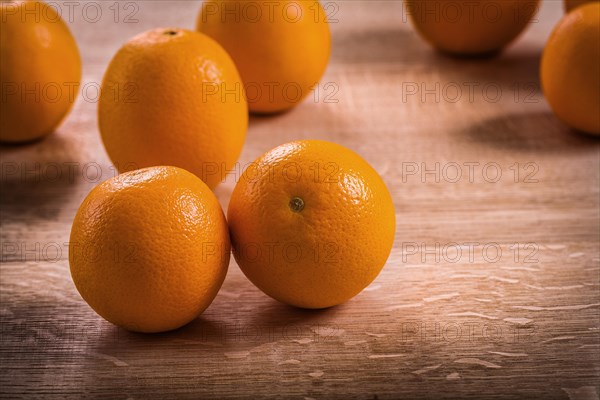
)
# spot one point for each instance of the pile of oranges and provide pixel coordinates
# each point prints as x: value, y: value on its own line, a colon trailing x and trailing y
x: 310, y: 223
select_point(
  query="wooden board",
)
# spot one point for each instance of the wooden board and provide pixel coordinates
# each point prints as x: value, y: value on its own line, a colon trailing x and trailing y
x: 457, y: 312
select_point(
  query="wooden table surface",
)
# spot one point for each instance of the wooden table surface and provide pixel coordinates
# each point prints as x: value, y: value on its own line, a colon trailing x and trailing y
x: 491, y: 289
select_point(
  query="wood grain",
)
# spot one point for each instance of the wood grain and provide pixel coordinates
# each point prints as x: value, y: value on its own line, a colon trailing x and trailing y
x: 489, y: 322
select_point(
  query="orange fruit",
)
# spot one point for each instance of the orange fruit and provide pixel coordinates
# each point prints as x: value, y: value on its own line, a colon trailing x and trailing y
x: 281, y: 48
x: 173, y: 97
x: 149, y: 249
x: 572, y: 4
x: 471, y: 27
x: 311, y: 223
x: 570, y: 69
x: 40, y: 73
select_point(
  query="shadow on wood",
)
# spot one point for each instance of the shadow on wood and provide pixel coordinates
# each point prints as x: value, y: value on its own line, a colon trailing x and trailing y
x: 534, y: 132
x: 38, y: 178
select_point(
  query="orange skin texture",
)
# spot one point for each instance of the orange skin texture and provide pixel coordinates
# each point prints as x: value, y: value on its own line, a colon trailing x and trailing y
x: 173, y: 97
x: 286, y: 44
x: 332, y: 248
x: 570, y: 69
x: 149, y: 249
x: 468, y: 27
x: 37, y: 54
x: 572, y: 4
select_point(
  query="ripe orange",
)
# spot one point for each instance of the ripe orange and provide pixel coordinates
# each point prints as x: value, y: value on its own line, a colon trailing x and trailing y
x: 471, y: 27
x: 311, y: 223
x: 572, y: 4
x: 40, y: 70
x: 149, y: 249
x: 281, y: 48
x: 173, y: 97
x: 570, y: 69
